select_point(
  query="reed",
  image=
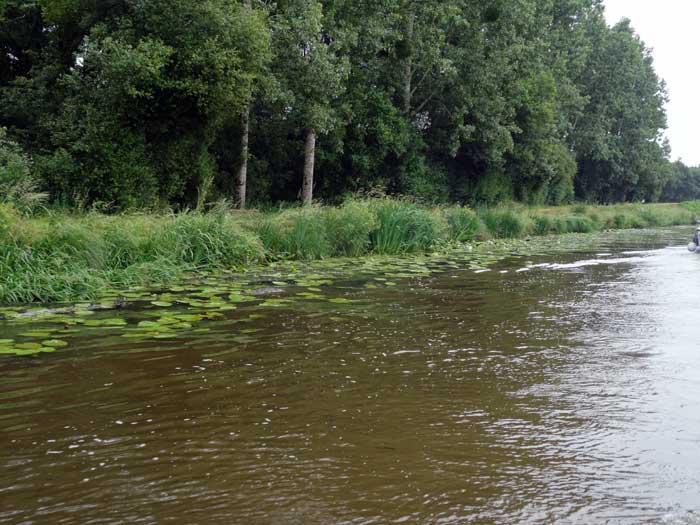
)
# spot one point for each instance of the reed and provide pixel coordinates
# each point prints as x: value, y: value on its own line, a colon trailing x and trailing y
x: 57, y: 256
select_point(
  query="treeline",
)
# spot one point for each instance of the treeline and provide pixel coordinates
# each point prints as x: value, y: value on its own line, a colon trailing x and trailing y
x: 140, y: 103
x: 683, y: 184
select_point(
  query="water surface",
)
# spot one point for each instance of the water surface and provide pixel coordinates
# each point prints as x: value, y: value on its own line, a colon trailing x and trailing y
x: 561, y: 386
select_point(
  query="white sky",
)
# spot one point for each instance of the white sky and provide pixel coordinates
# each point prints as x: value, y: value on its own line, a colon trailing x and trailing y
x: 671, y: 29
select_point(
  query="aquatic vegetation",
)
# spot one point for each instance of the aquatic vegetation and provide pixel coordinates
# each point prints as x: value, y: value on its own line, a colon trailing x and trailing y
x: 57, y: 258
x: 463, y: 223
x: 331, y: 287
x: 404, y: 227
x: 504, y: 223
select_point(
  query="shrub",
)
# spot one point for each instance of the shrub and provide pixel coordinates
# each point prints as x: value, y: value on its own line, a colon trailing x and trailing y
x: 543, y: 225
x: 296, y: 233
x: 576, y: 224
x: 17, y: 184
x: 492, y: 188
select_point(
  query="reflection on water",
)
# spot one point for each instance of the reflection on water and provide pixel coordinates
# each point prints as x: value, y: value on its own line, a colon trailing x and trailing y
x: 557, y: 389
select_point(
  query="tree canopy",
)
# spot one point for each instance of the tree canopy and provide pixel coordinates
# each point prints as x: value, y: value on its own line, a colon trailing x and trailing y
x: 139, y: 103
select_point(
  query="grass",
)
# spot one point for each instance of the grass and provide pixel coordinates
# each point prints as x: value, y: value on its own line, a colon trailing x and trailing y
x: 58, y: 257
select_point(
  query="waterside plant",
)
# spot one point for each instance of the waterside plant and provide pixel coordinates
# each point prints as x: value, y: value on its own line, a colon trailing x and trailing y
x: 55, y: 257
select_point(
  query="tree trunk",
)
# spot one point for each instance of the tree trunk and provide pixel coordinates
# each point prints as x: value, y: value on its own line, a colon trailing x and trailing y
x: 242, y: 175
x: 309, y: 159
x: 398, y: 185
x: 408, y: 67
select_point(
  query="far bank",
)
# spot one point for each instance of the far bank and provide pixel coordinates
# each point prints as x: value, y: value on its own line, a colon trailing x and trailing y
x: 58, y: 257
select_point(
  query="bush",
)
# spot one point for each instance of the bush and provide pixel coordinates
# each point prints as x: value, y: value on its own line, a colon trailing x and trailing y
x: 212, y: 240
x: 576, y: 224
x: 543, y: 225
x: 492, y: 189
x: 17, y: 184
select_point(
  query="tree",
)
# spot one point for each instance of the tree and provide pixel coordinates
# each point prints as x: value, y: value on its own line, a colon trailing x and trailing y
x: 683, y: 183
x: 142, y: 97
x: 310, y: 75
x: 145, y: 102
x: 619, y: 137
x: 257, y: 69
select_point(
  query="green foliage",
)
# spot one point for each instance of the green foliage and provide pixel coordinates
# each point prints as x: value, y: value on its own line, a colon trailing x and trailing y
x: 546, y: 224
x: 683, y: 183
x: 310, y: 74
x: 295, y: 234
x: 18, y: 185
x: 492, y: 188
x: 404, y: 227
x: 59, y: 257
x: 503, y: 223
x: 692, y: 206
x: 620, y: 150
x: 137, y: 104
x: 463, y: 223
x: 350, y: 226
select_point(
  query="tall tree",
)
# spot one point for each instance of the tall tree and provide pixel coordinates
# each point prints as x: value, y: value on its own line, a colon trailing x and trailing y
x: 257, y: 69
x: 311, y: 76
x: 619, y: 139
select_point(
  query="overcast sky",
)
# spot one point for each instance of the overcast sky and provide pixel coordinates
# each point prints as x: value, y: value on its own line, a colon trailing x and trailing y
x: 671, y: 29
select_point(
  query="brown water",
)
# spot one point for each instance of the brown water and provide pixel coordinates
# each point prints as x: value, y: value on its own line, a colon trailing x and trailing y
x: 567, y: 393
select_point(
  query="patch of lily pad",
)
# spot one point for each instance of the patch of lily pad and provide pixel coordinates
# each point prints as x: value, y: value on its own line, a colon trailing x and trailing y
x: 191, y: 306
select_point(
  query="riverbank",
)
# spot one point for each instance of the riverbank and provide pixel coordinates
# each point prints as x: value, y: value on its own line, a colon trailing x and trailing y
x: 58, y: 257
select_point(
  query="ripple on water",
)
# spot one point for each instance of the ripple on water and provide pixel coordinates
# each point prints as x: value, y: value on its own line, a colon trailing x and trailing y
x: 547, y: 396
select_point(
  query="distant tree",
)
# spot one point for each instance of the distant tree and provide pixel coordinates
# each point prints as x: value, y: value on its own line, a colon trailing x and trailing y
x: 683, y: 183
x: 619, y: 137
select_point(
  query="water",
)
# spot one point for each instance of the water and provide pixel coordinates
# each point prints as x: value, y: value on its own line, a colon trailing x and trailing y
x: 555, y: 388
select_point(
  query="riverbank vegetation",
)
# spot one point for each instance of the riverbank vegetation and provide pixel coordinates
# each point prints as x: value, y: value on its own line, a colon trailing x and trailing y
x: 173, y: 104
x: 59, y: 256
x: 463, y: 123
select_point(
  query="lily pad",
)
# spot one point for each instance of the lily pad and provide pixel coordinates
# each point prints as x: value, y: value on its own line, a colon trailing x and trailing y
x: 36, y: 334
x: 275, y: 303
x: 149, y: 324
x: 28, y: 346
x: 106, y: 322
x: 55, y: 343
x: 239, y: 298
x: 189, y: 318
x: 162, y: 304
x: 340, y: 300
x: 26, y: 353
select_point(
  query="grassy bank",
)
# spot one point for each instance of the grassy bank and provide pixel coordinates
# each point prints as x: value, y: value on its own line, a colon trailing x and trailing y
x: 56, y: 257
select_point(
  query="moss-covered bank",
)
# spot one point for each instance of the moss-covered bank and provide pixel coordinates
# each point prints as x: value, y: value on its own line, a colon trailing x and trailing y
x: 56, y: 257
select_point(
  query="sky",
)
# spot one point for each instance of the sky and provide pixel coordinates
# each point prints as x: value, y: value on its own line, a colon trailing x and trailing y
x: 671, y: 29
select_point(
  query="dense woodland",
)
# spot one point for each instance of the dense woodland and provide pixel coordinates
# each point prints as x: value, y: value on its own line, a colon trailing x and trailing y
x: 175, y: 103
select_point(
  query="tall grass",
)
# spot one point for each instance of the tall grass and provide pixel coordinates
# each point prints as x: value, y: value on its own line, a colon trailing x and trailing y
x: 56, y: 256
x: 51, y: 259
x: 405, y: 227
x: 504, y: 223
